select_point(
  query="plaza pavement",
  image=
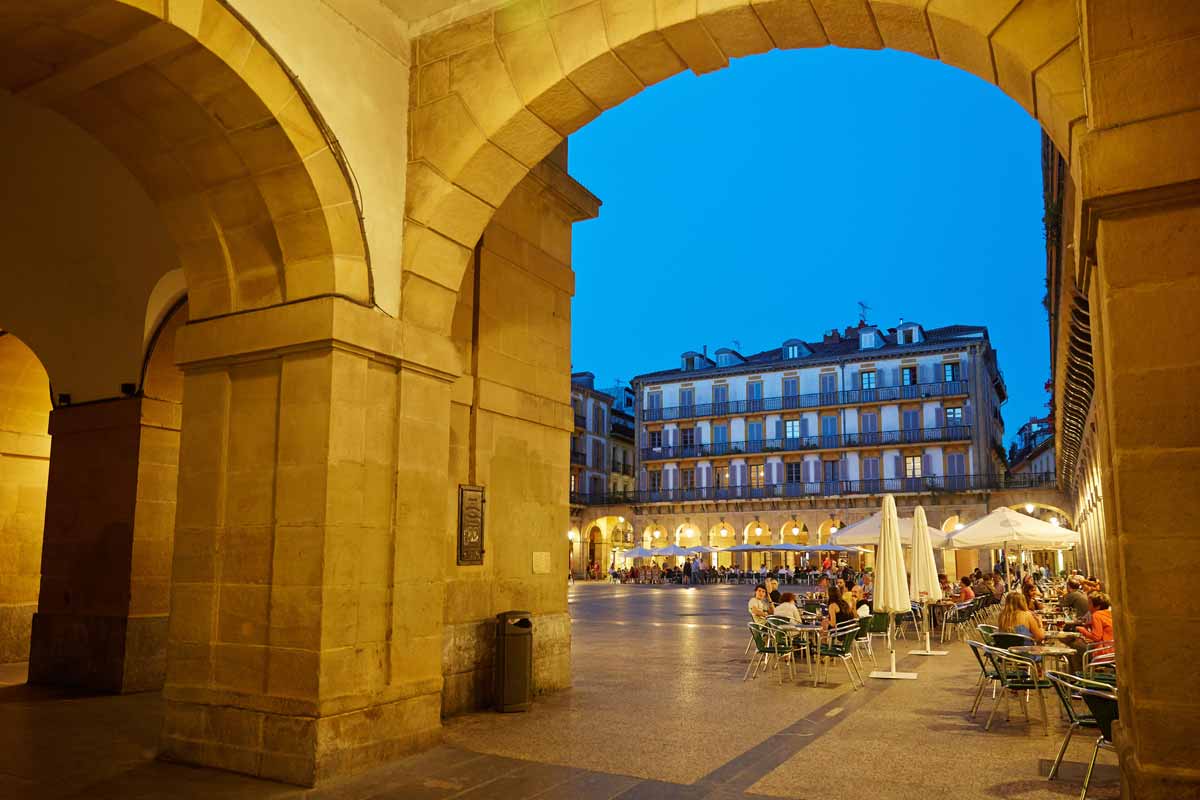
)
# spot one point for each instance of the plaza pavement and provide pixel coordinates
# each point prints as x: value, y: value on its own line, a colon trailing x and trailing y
x: 658, y: 710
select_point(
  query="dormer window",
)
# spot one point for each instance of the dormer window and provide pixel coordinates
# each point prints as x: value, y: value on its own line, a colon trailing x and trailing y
x: 791, y: 351
x: 867, y: 340
x: 725, y: 360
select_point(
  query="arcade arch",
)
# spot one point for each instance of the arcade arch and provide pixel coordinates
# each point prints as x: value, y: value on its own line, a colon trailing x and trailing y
x: 24, y: 469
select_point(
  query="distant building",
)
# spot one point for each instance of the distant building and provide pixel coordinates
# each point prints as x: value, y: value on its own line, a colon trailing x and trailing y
x: 1033, y: 451
x: 862, y: 410
x: 602, y: 445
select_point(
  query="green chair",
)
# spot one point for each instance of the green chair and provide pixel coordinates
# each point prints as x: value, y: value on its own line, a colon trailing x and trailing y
x: 1103, y: 705
x: 1007, y: 639
x: 788, y: 644
x: 1068, y: 687
x: 840, y: 645
x: 986, y: 632
x: 765, y: 648
x: 1016, y: 674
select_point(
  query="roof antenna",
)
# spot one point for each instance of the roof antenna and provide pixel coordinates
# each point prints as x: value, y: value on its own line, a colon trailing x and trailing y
x: 863, y: 308
x: 737, y: 345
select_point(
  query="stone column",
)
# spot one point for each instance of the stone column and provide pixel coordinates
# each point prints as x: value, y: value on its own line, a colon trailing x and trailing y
x: 101, y: 621
x: 1145, y: 292
x: 306, y: 600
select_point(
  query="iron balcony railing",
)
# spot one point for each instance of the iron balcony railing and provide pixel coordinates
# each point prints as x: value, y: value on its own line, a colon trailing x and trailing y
x: 578, y: 457
x: 821, y: 442
x: 880, y: 394
x: 932, y: 483
x: 622, y: 469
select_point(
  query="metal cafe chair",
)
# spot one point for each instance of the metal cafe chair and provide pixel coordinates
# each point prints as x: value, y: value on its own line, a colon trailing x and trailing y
x: 1103, y: 705
x: 1068, y: 687
x: 1016, y: 674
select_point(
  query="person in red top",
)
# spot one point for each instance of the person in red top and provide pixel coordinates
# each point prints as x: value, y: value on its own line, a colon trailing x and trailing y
x: 966, y: 593
x: 1099, y: 627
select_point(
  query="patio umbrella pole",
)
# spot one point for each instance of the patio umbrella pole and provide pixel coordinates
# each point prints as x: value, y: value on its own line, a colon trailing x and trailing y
x: 928, y: 651
x: 908, y: 676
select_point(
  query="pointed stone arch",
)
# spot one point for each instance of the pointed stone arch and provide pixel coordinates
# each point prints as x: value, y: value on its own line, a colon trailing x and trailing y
x: 496, y: 92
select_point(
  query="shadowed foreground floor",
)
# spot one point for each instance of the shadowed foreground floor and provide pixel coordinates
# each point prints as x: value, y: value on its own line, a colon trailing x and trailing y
x: 659, y: 710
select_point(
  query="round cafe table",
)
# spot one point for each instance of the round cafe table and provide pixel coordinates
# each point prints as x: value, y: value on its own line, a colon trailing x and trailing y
x: 1047, y: 652
x: 811, y: 632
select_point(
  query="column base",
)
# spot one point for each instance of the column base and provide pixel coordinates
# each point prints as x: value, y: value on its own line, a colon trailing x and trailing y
x: 101, y: 653
x: 296, y: 749
x: 16, y: 623
x: 1151, y: 782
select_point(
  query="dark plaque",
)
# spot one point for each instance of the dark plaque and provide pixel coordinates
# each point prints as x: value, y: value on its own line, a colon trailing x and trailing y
x: 470, y: 524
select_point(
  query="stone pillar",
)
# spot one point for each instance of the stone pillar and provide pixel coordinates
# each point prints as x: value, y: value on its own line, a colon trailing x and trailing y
x: 1145, y: 292
x: 101, y: 621
x: 307, y: 595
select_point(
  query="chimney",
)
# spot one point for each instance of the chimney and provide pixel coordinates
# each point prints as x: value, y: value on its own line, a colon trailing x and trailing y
x: 832, y: 337
x: 705, y: 350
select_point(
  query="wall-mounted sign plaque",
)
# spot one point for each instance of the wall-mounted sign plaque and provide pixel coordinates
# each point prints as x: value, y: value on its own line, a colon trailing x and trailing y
x: 470, y: 524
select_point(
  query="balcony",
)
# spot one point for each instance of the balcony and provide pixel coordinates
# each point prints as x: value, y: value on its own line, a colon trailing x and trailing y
x: 622, y: 430
x: 622, y: 469
x: 932, y: 483
x: 882, y: 394
x: 578, y: 457
x: 802, y: 443
x: 580, y: 420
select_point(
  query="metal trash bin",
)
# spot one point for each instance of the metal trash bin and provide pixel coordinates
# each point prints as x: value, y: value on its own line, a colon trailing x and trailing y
x: 513, y: 688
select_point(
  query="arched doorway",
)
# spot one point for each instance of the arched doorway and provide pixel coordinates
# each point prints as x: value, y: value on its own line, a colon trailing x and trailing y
x: 24, y: 467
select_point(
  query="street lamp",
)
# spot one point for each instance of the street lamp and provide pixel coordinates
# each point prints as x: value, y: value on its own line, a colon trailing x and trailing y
x: 621, y: 520
x: 1029, y: 508
x: 1054, y: 521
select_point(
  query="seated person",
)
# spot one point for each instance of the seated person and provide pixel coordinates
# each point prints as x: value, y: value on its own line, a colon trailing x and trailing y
x: 1033, y: 595
x: 760, y: 604
x: 787, y: 608
x: 841, y: 609
x: 1074, y: 601
x: 1098, y: 628
x: 773, y: 590
x: 966, y: 592
x: 944, y: 582
x: 1015, y: 617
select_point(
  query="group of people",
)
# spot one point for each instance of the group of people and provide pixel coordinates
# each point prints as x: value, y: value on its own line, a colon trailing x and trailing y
x: 842, y: 602
x: 695, y: 571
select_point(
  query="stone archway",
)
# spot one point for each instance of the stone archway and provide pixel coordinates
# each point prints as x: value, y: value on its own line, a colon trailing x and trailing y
x: 24, y: 464
x: 498, y: 91
x: 250, y: 183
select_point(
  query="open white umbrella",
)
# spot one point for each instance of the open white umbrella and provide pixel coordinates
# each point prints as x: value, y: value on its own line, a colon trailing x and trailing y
x: 925, y: 587
x: 866, y: 531
x: 1012, y: 530
x: 701, y: 548
x: 637, y: 552
x: 671, y: 550
x: 745, y: 548
x: 891, y: 582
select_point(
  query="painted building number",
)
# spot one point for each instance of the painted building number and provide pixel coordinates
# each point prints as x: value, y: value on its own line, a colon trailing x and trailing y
x: 470, y: 524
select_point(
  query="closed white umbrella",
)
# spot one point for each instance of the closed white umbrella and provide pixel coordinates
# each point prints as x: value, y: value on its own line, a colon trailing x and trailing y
x: 925, y: 587
x: 891, y: 582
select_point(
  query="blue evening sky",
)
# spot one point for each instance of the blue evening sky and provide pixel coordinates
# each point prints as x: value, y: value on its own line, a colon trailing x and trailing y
x: 761, y: 202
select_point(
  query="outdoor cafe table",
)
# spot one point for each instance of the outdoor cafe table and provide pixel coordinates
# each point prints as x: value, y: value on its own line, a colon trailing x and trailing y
x: 810, y: 632
x: 1046, y: 651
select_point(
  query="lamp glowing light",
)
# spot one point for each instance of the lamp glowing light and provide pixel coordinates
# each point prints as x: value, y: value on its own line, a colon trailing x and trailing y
x: 1054, y: 521
x: 571, y: 535
x: 795, y: 531
x: 1029, y: 508
x: 724, y: 533
x: 657, y: 534
x: 758, y: 531
x: 959, y: 526
x: 833, y: 529
x: 621, y: 520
